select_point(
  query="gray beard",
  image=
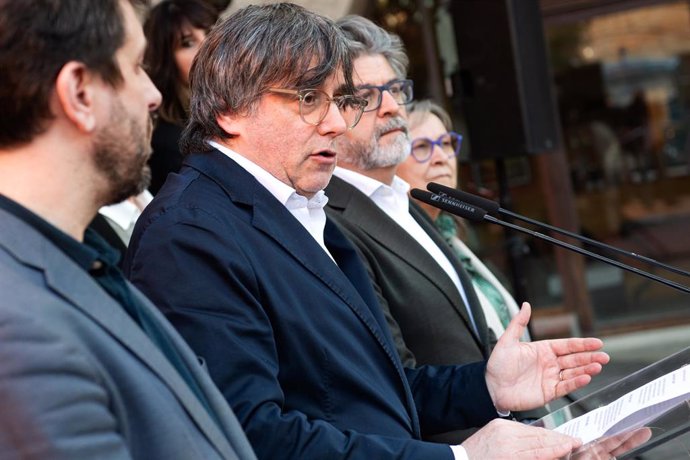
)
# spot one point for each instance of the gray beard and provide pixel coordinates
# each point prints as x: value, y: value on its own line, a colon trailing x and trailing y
x: 370, y: 155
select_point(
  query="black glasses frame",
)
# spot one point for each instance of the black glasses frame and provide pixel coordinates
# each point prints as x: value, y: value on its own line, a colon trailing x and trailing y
x: 406, y: 90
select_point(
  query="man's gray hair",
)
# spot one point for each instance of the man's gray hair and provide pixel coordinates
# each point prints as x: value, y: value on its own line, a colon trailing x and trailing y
x: 366, y: 38
x: 258, y: 47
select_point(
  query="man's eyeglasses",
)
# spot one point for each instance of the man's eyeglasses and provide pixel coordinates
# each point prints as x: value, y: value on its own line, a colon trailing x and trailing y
x: 401, y: 90
x: 423, y: 147
x: 314, y: 103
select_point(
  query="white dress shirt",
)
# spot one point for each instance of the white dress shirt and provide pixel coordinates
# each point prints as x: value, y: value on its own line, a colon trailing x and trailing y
x: 123, y: 215
x: 308, y: 212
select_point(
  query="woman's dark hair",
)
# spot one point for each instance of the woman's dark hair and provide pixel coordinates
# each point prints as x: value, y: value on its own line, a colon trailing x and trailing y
x: 163, y: 32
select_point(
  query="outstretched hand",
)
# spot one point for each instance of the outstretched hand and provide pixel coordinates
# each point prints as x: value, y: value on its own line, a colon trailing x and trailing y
x: 526, y: 375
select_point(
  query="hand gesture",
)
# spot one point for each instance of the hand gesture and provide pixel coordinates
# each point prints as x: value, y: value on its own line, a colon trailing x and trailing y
x: 525, y: 375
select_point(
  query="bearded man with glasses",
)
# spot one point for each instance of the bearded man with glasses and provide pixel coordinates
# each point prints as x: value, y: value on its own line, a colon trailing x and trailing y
x: 432, y: 307
x: 237, y: 251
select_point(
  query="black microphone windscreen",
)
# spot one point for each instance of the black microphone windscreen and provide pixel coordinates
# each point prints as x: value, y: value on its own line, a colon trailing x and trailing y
x: 486, y: 204
x: 449, y: 204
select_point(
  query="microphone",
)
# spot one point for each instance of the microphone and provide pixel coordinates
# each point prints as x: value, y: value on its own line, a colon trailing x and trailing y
x: 484, y: 203
x: 493, y: 207
x: 476, y: 214
x: 450, y: 204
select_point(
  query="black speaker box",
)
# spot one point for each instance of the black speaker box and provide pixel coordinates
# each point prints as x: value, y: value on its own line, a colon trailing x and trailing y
x: 503, y: 85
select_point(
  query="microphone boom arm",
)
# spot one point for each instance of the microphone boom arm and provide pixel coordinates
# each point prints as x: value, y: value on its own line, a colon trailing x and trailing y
x: 475, y: 213
x: 492, y: 206
x: 584, y: 252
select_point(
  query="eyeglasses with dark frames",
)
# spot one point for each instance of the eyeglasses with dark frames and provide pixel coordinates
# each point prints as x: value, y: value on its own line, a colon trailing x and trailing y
x: 401, y: 90
x: 314, y: 103
x: 423, y: 147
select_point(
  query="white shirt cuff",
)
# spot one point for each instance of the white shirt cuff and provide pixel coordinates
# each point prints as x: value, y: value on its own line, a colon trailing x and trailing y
x: 459, y: 453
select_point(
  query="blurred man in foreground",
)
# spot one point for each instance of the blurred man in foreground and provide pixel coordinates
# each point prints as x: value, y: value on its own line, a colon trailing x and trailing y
x: 88, y: 367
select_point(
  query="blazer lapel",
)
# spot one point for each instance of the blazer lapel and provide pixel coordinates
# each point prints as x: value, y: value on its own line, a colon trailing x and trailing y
x: 351, y: 265
x: 64, y: 277
x: 474, y: 304
x: 363, y: 212
x: 353, y: 288
x: 245, y: 190
x: 348, y: 261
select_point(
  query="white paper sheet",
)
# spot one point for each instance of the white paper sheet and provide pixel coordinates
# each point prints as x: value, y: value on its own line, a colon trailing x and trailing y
x: 634, y: 409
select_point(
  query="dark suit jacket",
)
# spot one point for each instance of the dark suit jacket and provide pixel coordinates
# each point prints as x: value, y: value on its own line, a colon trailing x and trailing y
x: 298, y: 345
x: 80, y: 379
x: 423, y: 301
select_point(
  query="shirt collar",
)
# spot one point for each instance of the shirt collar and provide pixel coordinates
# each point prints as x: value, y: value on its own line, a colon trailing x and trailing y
x: 364, y: 184
x: 126, y: 213
x: 287, y: 195
x: 296, y: 201
x: 373, y: 188
x: 83, y: 254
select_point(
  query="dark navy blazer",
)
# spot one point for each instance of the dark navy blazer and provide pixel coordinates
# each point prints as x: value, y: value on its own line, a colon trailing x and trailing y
x: 297, y: 344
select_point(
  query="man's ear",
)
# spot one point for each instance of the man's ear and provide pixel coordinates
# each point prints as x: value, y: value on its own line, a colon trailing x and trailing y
x: 75, y: 88
x: 231, y: 125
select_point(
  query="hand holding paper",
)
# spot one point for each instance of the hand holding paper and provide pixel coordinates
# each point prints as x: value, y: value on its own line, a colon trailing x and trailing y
x: 632, y: 410
x: 517, y: 441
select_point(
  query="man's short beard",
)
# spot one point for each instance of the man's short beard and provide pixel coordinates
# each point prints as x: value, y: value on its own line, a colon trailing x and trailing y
x: 371, y: 155
x: 121, y: 152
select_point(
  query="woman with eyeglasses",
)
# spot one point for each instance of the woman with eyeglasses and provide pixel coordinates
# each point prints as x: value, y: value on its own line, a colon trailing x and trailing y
x: 433, y: 158
x: 174, y: 32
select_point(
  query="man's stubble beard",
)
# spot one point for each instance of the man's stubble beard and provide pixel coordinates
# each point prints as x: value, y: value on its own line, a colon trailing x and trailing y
x: 121, y: 152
